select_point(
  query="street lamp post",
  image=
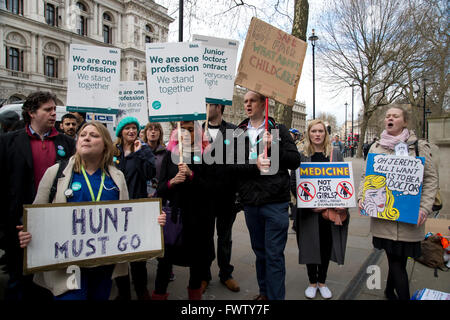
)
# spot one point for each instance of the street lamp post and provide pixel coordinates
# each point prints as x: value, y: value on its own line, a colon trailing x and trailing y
x: 180, y: 20
x: 424, y: 112
x: 345, y: 134
x: 313, y: 40
x: 352, y: 123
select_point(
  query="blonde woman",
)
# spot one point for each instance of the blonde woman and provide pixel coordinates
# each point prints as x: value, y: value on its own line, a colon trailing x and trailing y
x: 91, y: 176
x: 400, y: 240
x: 378, y: 200
x: 319, y: 240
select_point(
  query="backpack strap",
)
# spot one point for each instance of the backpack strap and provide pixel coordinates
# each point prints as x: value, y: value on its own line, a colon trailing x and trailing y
x: 416, y: 147
x: 62, y: 166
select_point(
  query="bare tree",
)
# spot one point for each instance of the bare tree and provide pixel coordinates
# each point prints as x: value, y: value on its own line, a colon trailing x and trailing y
x: 330, y: 119
x: 429, y: 19
x: 362, y: 42
x: 283, y: 114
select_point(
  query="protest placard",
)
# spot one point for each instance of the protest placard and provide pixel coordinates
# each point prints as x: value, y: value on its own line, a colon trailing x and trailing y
x: 325, y: 185
x: 392, y: 187
x: 219, y: 65
x: 91, y: 233
x: 271, y: 62
x: 93, y: 79
x: 176, y: 86
x: 133, y: 101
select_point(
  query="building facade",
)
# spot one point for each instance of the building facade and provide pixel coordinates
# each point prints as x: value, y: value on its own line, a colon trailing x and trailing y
x: 35, y: 37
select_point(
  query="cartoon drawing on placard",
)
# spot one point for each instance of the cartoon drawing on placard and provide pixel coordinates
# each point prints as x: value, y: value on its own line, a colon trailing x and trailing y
x: 392, y: 187
x: 378, y: 200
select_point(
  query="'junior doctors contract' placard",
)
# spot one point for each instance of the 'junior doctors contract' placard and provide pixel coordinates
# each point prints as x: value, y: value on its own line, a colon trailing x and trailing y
x: 219, y: 64
x: 393, y: 187
x: 325, y: 185
x: 176, y: 86
x: 93, y: 79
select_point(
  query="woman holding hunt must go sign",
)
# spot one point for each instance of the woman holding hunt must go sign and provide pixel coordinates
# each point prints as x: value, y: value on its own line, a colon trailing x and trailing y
x: 319, y: 240
x: 400, y: 240
x: 88, y: 176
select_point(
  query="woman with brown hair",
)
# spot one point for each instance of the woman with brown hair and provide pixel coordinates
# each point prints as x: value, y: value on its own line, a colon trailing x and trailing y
x: 400, y: 240
x: 154, y: 137
x: 319, y: 240
x: 89, y: 176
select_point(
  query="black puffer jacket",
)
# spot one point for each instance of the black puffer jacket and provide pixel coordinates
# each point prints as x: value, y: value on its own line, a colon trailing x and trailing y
x: 138, y: 167
x: 254, y: 188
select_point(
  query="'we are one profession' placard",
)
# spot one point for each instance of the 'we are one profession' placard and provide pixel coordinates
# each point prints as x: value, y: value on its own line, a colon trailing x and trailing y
x: 325, y: 185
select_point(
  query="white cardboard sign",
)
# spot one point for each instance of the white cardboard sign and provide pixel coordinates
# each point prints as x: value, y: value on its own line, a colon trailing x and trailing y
x: 219, y: 65
x: 325, y: 185
x: 176, y: 86
x: 91, y: 233
x: 133, y: 101
x: 93, y: 79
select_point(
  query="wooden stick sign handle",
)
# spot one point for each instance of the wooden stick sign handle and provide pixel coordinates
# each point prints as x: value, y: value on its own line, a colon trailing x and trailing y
x: 266, y: 126
x: 180, y: 143
x: 207, y: 117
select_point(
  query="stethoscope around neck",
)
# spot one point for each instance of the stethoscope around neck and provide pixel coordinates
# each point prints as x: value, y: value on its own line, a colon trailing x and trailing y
x: 69, y: 191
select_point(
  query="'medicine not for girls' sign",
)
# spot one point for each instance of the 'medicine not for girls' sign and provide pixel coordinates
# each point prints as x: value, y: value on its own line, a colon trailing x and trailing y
x: 325, y: 185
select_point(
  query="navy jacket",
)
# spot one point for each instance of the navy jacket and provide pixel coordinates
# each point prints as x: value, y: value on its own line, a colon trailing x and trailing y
x: 18, y: 185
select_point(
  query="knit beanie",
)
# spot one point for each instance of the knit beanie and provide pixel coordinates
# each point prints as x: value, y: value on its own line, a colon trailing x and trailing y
x: 124, y: 122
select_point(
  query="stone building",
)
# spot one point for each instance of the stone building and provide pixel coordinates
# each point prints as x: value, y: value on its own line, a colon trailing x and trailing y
x: 35, y: 37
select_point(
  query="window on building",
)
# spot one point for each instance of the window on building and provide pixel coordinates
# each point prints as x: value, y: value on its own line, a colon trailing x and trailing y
x: 51, y: 67
x: 107, y: 28
x: 148, y: 39
x: 148, y: 28
x: 82, y: 20
x: 106, y: 34
x: 14, y: 59
x: 15, y: 6
x: 51, y: 15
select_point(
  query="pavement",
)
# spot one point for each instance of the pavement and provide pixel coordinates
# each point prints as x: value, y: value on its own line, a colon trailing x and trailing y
x: 355, y: 280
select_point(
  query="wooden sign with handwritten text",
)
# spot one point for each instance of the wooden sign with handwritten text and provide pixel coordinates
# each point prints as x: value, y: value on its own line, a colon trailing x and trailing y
x: 271, y: 62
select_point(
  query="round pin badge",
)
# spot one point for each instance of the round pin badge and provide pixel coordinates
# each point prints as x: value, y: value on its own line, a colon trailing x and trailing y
x: 61, y: 153
x: 226, y: 141
x: 196, y: 158
x: 76, y: 186
x: 60, y: 148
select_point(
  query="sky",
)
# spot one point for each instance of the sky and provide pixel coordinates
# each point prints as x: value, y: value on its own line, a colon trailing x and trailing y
x: 213, y: 18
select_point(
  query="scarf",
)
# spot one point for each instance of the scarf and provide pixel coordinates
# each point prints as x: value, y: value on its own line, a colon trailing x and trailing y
x: 389, y: 142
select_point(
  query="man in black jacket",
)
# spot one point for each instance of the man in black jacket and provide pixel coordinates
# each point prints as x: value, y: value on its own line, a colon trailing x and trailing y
x: 264, y: 191
x: 25, y: 155
x: 222, y: 195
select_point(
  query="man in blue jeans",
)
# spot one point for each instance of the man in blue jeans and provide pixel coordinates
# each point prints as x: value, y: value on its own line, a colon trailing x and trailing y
x: 264, y: 191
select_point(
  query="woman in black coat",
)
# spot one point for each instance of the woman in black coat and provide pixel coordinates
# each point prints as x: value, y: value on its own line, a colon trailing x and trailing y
x: 319, y: 240
x: 137, y: 162
x: 183, y: 186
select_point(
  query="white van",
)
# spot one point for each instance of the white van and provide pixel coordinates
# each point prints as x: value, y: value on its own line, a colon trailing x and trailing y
x: 109, y: 120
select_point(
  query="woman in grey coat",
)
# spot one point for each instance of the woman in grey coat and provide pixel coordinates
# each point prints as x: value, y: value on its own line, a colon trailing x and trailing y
x: 319, y: 240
